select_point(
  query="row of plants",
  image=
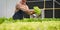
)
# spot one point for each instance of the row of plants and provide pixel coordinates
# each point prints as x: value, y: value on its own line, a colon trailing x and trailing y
x: 44, y: 25
x: 28, y: 19
x: 30, y: 24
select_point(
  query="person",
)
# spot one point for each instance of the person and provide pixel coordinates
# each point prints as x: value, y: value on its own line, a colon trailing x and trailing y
x: 22, y: 10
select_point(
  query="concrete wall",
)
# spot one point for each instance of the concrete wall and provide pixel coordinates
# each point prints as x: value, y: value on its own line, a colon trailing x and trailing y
x: 7, y: 7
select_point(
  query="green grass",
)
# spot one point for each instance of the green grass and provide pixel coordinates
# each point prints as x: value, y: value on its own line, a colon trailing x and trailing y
x: 30, y: 24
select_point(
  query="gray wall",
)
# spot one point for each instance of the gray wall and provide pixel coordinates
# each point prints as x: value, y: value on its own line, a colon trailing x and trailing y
x: 7, y: 7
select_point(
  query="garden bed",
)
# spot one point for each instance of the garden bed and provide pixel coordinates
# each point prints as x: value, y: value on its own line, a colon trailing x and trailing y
x: 30, y: 24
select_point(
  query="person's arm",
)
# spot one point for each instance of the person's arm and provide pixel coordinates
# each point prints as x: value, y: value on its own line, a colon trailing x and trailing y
x: 30, y: 12
x: 26, y: 10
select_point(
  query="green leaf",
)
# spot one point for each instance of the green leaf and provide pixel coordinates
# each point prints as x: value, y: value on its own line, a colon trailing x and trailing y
x: 37, y: 10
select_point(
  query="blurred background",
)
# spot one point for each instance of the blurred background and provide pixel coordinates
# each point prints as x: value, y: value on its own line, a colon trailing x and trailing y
x: 7, y: 7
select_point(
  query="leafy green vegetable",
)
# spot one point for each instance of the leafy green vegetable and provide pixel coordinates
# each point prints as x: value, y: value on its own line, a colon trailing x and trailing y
x: 30, y: 24
x: 37, y: 10
x: 44, y: 25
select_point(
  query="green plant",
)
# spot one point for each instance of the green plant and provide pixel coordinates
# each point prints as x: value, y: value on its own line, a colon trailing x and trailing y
x: 37, y: 10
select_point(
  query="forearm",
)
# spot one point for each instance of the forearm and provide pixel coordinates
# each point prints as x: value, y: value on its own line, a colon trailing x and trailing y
x: 30, y: 12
